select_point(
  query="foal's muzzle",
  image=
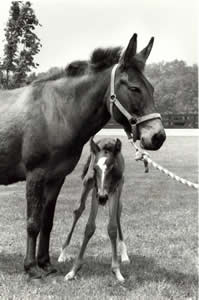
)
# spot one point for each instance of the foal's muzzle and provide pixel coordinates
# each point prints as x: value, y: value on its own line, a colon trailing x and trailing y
x: 102, y: 198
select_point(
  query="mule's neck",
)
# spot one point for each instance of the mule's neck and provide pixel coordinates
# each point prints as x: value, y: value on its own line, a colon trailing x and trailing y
x: 94, y: 103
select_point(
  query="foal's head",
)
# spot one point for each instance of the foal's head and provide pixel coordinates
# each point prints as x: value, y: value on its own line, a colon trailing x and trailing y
x: 108, y: 166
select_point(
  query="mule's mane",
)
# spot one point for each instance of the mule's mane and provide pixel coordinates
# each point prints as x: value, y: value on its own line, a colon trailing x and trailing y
x: 74, y: 69
x: 100, y: 60
x: 104, y: 58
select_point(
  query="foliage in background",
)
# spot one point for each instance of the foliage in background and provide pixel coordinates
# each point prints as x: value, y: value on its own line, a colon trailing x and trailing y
x: 176, y: 86
x: 22, y: 44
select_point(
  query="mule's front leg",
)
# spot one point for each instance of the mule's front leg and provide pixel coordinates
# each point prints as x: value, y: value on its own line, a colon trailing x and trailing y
x: 89, y: 231
x: 51, y: 192
x: 112, y: 231
x: 34, y: 195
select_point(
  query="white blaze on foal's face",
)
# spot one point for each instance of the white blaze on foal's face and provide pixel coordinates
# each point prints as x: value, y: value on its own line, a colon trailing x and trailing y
x: 102, y: 165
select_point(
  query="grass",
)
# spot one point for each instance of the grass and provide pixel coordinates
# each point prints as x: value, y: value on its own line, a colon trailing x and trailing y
x: 160, y: 224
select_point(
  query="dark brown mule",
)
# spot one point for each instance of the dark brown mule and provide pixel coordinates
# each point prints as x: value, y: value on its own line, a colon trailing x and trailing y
x: 44, y: 126
x: 104, y: 173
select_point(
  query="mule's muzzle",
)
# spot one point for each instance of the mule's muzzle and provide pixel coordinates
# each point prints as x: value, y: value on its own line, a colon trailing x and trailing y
x: 153, y: 142
x: 158, y: 139
x: 102, y: 199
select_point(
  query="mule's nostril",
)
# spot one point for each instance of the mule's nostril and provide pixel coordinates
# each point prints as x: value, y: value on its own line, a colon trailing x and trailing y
x: 158, y: 139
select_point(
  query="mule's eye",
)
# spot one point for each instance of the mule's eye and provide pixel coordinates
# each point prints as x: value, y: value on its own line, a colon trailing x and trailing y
x: 135, y: 89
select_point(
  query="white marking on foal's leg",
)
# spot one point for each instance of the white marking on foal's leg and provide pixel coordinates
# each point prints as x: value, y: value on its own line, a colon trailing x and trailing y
x: 118, y: 274
x: 63, y: 255
x: 124, y: 255
x: 70, y: 275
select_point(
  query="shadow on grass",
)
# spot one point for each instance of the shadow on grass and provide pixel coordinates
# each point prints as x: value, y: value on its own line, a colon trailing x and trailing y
x: 141, y: 270
x: 145, y: 269
x: 11, y: 264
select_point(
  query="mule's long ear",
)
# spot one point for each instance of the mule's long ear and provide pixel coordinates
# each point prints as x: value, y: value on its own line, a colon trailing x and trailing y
x: 118, y: 146
x: 130, y: 51
x: 94, y: 147
x: 142, y: 56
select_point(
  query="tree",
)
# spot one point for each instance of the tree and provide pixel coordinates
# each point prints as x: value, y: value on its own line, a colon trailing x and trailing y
x: 176, y: 86
x: 22, y: 44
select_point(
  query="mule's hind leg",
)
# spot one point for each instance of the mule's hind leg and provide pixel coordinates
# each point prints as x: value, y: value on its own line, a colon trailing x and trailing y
x: 51, y: 192
x: 87, y: 186
x: 112, y: 231
x: 123, y: 249
x: 89, y: 231
x: 34, y: 195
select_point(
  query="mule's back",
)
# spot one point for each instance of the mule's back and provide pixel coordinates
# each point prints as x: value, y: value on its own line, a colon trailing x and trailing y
x: 13, y: 114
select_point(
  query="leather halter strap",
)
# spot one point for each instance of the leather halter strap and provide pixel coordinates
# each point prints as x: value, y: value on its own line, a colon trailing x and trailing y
x: 132, y: 118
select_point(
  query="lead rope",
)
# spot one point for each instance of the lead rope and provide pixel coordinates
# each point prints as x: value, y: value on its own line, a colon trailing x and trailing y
x: 145, y: 157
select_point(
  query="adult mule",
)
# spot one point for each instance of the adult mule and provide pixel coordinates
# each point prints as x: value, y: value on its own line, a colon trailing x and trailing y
x: 44, y: 126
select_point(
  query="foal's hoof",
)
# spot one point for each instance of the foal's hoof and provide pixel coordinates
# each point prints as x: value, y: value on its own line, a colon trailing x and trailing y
x: 118, y: 275
x: 63, y: 256
x: 125, y: 261
x: 70, y: 276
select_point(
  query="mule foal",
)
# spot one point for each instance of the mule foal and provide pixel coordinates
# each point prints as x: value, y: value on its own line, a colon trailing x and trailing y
x: 104, y: 174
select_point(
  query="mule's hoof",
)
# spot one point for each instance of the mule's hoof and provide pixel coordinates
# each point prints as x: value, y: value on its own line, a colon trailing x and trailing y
x: 48, y: 269
x: 70, y: 276
x: 34, y: 272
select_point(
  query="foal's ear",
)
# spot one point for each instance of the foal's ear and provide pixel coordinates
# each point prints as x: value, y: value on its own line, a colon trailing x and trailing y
x: 130, y: 51
x: 94, y: 147
x: 118, y: 146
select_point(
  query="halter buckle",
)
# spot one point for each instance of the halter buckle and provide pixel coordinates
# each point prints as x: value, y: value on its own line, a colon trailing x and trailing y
x: 113, y: 98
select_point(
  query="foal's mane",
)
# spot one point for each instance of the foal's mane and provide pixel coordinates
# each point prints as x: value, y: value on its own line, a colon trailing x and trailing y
x: 100, y: 59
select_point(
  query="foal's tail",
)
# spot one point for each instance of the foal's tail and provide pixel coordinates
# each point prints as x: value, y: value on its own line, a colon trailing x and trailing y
x: 86, y: 167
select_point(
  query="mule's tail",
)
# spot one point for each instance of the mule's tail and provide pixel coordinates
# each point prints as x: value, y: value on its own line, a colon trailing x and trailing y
x: 86, y: 167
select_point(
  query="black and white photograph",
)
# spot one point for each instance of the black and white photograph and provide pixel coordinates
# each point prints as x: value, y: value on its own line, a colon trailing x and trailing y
x: 99, y: 148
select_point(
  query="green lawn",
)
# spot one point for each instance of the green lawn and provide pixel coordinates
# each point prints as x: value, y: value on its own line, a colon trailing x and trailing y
x: 160, y: 224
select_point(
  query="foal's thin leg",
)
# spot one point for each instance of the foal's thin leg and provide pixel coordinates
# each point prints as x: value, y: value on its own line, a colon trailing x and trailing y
x: 89, y: 231
x: 88, y: 183
x: 87, y: 186
x: 34, y: 195
x: 112, y: 231
x: 124, y: 255
x: 51, y: 192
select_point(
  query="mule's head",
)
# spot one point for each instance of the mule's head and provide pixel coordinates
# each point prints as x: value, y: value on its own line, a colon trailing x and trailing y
x: 105, y: 157
x: 135, y: 93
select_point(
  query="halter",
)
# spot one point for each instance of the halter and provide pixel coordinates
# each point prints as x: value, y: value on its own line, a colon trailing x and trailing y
x: 132, y: 118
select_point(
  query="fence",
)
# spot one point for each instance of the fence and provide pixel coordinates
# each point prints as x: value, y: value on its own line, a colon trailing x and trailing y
x: 170, y: 121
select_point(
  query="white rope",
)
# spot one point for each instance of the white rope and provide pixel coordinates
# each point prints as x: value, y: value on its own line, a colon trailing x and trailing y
x: 144, y: 156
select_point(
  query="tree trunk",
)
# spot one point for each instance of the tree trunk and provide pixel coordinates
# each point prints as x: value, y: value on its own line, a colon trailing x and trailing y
x: 7, y: 79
